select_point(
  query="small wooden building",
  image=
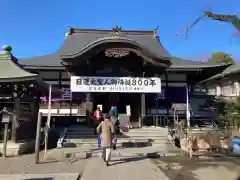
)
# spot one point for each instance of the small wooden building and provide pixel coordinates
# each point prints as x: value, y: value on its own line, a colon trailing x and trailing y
x: 20, y: 93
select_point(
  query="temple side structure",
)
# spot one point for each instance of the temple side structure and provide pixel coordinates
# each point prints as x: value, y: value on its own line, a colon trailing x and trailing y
x: 225, y: 83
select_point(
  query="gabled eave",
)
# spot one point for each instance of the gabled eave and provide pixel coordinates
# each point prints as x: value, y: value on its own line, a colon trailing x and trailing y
x: 118, y: 42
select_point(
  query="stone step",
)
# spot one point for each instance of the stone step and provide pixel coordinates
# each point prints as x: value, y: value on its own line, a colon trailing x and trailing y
x: 164, y: 130
x: 85, y: 152
x: 119, y: 145
x: 70, y: 131
x: 80, y: 130
x: 84, y: 136
x: 126, y: 134
x: 92, y: 141
x: 150, y: 129
x: 146, y: 134
x: 81, y: 136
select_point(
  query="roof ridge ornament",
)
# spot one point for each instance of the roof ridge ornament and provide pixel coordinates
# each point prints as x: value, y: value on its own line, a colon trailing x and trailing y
x: 7, y: 48
x: 155, y: 33
x: 70, y: 31
x: 117, y: 31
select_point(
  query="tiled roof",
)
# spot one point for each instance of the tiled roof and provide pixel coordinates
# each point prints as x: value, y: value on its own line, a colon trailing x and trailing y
x: 79, y: 39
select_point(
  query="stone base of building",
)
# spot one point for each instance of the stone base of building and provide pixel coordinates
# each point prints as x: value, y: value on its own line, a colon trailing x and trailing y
x: 15, y: 149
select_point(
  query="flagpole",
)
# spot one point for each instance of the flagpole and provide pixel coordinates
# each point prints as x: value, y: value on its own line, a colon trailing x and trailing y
x: 47, y: 126
x: 187, y: 109
x: 49, y: 106
x: 189, y: 138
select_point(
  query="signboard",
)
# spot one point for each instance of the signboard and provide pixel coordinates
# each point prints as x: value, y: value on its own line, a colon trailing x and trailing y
x: 115, y: 84
x: 5, y: 118
x: 128, y: 110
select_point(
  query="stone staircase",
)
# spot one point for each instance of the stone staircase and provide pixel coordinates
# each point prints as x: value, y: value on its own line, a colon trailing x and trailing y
x: 146, y: 136
x: 153, y: 135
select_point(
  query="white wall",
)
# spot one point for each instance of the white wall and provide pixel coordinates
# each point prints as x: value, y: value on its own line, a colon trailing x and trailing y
x: 228, y: 89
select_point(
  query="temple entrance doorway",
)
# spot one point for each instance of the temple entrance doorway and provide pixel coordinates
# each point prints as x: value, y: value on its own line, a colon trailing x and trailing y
x: 121, y: 101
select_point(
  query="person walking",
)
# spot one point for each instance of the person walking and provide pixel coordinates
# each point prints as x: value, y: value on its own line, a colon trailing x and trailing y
x: 97, y: 116
x: 114, y: 112
x: 114, y: 118
x: 106, y: 129
x: 116, y: 129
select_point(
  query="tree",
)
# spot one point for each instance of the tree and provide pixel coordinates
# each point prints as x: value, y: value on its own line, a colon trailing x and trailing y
x: 221, y: 57
x: 229, y: 112
x: 233, y: 19
x: 225, y: 18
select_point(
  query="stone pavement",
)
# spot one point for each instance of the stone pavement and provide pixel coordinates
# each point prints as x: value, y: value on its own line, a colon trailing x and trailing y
x: 221, y: 172
x: 127, y: 168
x: 121, y: 167
x: 24, y: 165
x: 79, y: 151
x: 205, y: 168
x: 59, y: 176
x: 131, y: 151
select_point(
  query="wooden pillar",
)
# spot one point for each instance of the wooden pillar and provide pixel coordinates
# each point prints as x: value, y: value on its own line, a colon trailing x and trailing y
x: 143, y: 106
x: 60, y: 79
x: 17, y: 114
x: 143, y: 109
x: 34, y: 115
x: 88, y: 101
x: 166, y: 87
x: 88, y: 105
x: 88, y: 97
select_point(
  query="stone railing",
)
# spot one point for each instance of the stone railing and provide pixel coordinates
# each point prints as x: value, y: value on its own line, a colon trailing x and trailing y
x: 64, y: 111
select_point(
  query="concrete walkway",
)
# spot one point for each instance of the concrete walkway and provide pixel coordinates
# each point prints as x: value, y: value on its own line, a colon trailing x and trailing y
x: 219, y: 172
x: 60, y: 176
x: 80, y: 151
x: 128, y: 168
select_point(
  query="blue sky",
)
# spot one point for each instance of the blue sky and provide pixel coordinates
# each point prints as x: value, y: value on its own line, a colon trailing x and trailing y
x: 37, y: 27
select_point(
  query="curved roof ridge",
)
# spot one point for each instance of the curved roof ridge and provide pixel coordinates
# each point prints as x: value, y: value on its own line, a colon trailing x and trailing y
x: 121, y: 39
x: 77, y: 39
x: 106, y: 31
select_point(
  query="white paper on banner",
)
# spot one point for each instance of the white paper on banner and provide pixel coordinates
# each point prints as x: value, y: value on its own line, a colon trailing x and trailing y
x: 128, y: 110
x: 100, y: 107
x: 115, y: 84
